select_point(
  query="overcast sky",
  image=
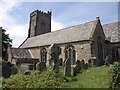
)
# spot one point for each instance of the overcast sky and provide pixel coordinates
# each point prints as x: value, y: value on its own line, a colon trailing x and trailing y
x: 14, y: 15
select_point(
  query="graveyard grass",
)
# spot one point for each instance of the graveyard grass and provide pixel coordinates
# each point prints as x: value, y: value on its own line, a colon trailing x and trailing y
x: 93, y: 77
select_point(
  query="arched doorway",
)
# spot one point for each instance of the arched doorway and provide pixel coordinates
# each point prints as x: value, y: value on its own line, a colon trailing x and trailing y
x: 70, y: 53
x: 43, y: 53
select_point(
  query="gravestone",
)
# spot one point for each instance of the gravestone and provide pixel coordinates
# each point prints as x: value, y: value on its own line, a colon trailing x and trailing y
x: 77, y: 68
x: 23, y: 68
x: 82, y: 64
x: 6, y: 70
x: 61, y: 62
x: 14, y: 70
x: 64, y: 62
x: 78, y: 64
x: 67, y: 68
x: 40, y: 66
x: 89, y: 63
x: 107, y: 60
x: 75, y: 71
x: 86, y: 66
x: 93, y: 60
x: 55, y: 51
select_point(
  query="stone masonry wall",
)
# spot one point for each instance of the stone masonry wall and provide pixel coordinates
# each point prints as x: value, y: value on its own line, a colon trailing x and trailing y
x: 83, y: 51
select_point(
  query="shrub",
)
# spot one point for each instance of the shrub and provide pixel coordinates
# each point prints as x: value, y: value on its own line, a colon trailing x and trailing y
x: 47, y: 79
x: 116, y: 75
x: 73, y: 79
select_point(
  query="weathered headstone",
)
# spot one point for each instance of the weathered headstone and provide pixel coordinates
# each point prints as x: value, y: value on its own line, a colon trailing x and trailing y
x: 93, y: 60
x: 6, y: 70
x: 40, y: 66
x: 82, y: 64
x: 14, y: 70
x: 55, y: 51
x: 89, y: 63
x: 64, y: 62
x: 78, y: 63
x: 61, y: 62
x: 107, y: 60
x: 67, y: 68
x: 77, y: 68
x: 86, y: 66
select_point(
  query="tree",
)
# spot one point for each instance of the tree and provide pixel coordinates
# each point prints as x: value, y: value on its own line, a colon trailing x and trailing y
x: 5, y: 41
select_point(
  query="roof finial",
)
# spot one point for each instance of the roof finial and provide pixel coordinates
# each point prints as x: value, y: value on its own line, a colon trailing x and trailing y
x: 97, y: 17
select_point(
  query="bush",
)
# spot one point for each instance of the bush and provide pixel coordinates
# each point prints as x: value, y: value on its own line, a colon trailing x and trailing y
x: 47, y: 79
x: 116, y: 75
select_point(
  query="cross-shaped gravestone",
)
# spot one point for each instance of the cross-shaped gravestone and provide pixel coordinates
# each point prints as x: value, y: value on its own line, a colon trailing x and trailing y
x: 55, y: 51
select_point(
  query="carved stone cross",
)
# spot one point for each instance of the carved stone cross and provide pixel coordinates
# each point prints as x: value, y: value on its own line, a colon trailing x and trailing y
x: 55, y: 51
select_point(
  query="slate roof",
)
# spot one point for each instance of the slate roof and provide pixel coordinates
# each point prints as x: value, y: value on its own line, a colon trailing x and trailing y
x: 71, y: 34
x: 20, y: 53
x: 112, y: 31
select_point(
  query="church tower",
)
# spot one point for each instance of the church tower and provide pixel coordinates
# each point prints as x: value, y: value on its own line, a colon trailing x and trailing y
x: 40, y: 23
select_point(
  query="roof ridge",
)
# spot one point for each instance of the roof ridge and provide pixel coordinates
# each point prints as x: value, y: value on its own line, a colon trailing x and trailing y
x: 111, y: 23
x: 61, y: 29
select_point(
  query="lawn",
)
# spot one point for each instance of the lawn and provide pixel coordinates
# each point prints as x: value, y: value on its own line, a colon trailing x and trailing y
x: 94, y: 77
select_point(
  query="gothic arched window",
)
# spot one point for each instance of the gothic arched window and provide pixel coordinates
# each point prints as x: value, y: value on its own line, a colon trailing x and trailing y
x: 70, y: 53
x: 43, y: 55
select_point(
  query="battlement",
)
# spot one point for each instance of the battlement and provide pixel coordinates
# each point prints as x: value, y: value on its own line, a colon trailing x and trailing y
x: 48, y: 13
x: 40, y: 23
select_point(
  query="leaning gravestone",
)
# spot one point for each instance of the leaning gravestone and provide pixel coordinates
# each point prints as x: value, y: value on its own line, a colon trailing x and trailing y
x: 75, y: 71
x: 40, y: 66
x: 67, y: 67
x: 55, y: 51
x: 77, y: 68
x: 6, y: 70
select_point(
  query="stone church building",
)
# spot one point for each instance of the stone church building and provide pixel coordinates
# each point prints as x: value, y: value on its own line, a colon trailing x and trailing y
x: 90, y: 41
